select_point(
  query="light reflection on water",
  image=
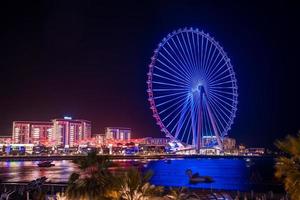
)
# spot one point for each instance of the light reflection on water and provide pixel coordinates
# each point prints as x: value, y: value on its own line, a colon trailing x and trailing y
x: 229, y: 174
x: 23, y: 171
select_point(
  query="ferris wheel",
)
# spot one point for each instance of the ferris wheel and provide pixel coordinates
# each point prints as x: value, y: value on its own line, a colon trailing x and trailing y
x: 192, y: 88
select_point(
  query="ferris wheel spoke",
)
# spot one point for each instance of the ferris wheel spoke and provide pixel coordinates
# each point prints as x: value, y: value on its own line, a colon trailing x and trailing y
x: 187, y: 51
x: 206, y: 120
x: 213, y: 118
x: 168, y: 84
x: 214, y: 80
x: 180, y: 59
x: 168, y: 101
x: 198, y: 51
x: 207, y: 57
x: 201, y: 56
x: 217, y: 60
x: 215, y: 67
x: 219, y: 105
x: 178, y: 66
x: 209, y: 126
x: 194, y: 122
x: 222, y: 92
x: 185, y: 54
x: 164, y: 77
x: 167, y: 116
x: 222, y: 96
x: 225, y: 102
x: 170, y: 122
x: 195, y: 52
x: 166, y: 72
x: 205, y: 53
x: 221, y: 87
x: 182, y: 118
x: 210, y: 60
x: 188, y: 128
x: 183, y: 59
x: 215, y: 77
x: 179, y: 71
x: 179, y: 103
x: 165, y: 90
x: 217, y: 117
x: 193, y: 119
x: 213, y: 72
x: 178, y: 76
x: 222, y: 83
x: 191, y: 50
x: 169, y: 95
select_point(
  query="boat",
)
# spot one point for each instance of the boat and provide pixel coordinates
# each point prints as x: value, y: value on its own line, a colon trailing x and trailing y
x: 196, y: 178
x: 46, y: 164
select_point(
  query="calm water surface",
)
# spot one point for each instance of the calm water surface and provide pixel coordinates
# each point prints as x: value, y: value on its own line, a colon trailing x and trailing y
x: 228, y: 173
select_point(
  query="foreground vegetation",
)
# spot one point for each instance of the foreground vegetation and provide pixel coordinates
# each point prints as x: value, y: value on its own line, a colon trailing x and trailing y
x: 288, y: 165
x: 95, y: 182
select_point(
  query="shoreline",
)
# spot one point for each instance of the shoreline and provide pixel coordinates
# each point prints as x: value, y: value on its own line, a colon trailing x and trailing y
x: 127, y: 157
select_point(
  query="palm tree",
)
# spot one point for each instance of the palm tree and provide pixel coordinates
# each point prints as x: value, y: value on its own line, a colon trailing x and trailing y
x: 177, y: 193
x: 288, y: 165
x: 93, y: 179
x: 136, y: 186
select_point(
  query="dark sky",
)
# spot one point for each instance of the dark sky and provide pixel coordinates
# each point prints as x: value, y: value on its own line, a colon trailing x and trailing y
x: 89, y: 60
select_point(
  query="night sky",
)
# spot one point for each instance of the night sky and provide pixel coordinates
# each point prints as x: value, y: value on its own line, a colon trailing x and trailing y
x: 89, y: 60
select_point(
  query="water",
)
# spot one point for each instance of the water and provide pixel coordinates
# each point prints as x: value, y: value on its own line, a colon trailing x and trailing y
x: 228, y: 173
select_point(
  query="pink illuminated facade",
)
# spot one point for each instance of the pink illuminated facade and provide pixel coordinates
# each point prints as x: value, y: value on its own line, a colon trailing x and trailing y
x: 31, y: 132
x: 58, y: 132
x: 68, y: 132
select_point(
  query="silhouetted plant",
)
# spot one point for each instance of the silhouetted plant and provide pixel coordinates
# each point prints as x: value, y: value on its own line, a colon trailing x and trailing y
x: 93, y: 179
x: 288, y: 165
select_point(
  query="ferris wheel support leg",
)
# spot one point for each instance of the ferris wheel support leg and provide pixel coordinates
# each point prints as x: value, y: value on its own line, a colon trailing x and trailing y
x: 194, y: 130
x: 212, y: 119
x: 199, y: 128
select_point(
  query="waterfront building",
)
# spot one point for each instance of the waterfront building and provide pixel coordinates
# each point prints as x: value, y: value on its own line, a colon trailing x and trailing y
x: 69, y: 132
x: 117, y: 133
x: 60, y: 132
x: 31, y: 132
x: 229, y: 143
x: 99, y: 139
x: 255, y: 151
x: 150, y: 141
x: 5, y: 139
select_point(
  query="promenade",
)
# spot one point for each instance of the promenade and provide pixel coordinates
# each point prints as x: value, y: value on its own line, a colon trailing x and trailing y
x: 120, y: 157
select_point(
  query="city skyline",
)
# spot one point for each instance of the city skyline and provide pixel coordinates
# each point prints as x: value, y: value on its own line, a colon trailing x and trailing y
x: 79, y: 59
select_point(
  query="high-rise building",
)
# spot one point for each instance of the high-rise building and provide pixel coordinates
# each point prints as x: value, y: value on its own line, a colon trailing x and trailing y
x: 5, y: 139
x: 229, y: 143
x: 99, y: 139
x: 117, y: 133
x: 31, y: 132
x: 60, y: 132
x: 69, y: 132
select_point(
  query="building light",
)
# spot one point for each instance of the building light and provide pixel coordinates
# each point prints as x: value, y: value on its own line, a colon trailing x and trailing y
x: 68, y: 118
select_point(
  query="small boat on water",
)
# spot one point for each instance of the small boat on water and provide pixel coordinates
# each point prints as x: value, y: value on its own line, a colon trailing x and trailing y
x: 46, y: 164
x: 196, y: 178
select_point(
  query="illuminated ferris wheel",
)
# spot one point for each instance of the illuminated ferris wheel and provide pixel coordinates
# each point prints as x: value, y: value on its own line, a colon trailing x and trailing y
x: 192, y: 88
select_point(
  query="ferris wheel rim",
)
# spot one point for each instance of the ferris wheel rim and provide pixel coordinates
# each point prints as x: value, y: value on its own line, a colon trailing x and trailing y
x: 151, y: 100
